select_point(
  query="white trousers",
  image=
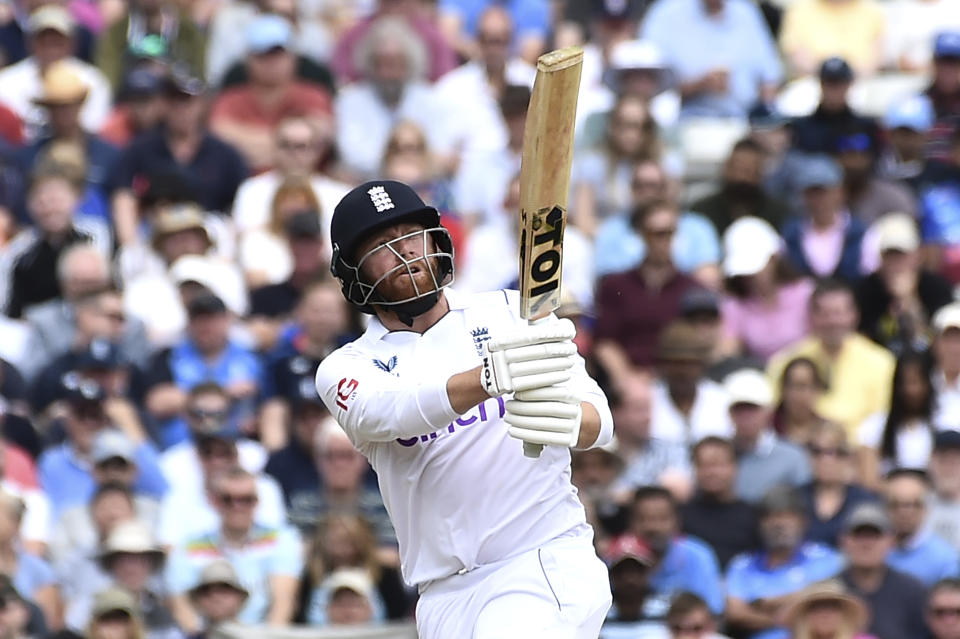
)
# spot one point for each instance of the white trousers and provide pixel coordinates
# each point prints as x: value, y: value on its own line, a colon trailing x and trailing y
x: 558, y: 591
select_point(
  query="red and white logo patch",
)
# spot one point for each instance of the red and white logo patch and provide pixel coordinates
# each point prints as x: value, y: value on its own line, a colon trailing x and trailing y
x: 346, y: 391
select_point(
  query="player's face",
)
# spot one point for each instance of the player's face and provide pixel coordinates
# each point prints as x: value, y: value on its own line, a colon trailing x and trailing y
x: 396, y: 254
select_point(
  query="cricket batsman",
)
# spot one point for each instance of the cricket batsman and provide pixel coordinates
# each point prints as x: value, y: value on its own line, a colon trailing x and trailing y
x: 440, y: 393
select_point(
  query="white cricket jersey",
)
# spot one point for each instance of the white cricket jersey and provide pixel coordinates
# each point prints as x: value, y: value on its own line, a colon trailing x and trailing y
x: 458, y: 488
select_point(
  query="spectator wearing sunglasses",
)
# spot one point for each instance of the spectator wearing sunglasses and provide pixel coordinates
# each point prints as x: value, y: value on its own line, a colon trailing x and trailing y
x: 267, y: 558
x: 943, y: 609
x: 918, y: 551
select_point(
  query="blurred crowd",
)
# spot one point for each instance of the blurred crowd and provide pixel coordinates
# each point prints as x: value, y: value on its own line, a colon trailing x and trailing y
x: 762, y: 256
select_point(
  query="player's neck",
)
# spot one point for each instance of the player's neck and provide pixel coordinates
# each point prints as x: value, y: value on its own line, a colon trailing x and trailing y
x: 421, y: 322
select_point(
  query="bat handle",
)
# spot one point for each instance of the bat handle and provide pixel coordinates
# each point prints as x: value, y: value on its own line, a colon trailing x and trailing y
x: 530, y: 449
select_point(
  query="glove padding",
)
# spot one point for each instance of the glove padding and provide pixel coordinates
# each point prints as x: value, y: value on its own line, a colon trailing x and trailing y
x: 547, y: 416
x: 529, y: 356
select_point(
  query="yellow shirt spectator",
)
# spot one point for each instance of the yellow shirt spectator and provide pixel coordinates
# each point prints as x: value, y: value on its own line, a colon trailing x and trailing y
x: 814, y: 30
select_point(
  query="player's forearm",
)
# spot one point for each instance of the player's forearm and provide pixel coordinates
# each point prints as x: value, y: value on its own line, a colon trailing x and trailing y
x: 465, y: 390
x: 589, y: 426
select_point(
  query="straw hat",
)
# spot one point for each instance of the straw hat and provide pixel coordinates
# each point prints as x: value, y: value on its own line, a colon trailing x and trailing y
x: 218, y: 572
x: 62, y: 86
x: 115, y: 600
x: 179, y: 217
x: 831, y: 591
x: 130, y: 538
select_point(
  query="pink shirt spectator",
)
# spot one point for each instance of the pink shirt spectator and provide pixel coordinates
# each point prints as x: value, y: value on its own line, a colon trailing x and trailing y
x: 87, y: 13
x: 824, y: 248
x: 763, y: 329
x: 18, y: 468
x: 441, y: 57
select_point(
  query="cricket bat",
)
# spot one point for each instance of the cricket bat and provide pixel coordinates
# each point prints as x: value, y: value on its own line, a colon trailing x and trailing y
x: 545, y: 184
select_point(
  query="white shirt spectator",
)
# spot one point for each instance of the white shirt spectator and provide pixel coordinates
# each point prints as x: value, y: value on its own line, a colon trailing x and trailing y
x: 37, y: 521
x: 364, y: 123
x: 917, y: 24
x: 21, y: 84
x: 709, y: 415
x: 913, y: 443
x: 482, y: 180
x: 251, y: 207
x: 75, y: 535
x: 946, y: 414
x: 181, y: 467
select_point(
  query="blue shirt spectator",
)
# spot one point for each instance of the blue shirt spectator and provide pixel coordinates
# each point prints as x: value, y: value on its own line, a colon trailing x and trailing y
x: 530, y: 17
x: 733, y: 40
x: 926, y: 557
x: 619, y: 247
x: 690, y: 565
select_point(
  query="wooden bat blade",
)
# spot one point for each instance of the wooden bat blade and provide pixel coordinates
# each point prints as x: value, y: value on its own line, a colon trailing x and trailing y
x: 545, y: 179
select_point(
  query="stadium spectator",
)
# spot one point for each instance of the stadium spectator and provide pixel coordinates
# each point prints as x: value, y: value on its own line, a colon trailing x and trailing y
x: 944, y: 517
x: 944, y: 95
x: 827, y: 610
x: 817, y: 30
x: 912, y: 26
x: 180, y: 37
x: 714, y: 513
x: 741, y: 192
x: 31, y: 575
x: 859, y: 372
x: 943, y: 609
x: 728, y: 61
x: 895, y: 600
x: 268, y: 559
x: 351, y: 594
x: 595, y: 472
x: 940, y: 209
x: 800, y: 386
x: 902, y: 437
x: 461, y: 22
x: 50, y: 40
x: 347, y: 542
x: 619, y: 240
x: 917, y: 551
x: 906, y: 124
x: 832, y: 494
x: 246, y: 116
x: 635, y: 610
x: 139, y: 107
x: 680, y: 563
x: 764, y: 459
x: 869, y: 196
x: 818, y: 132
x: 946, y: 366
x: 115, y: 616
x: 762, y: 584
x: 765, y: 292
x: 218, y: 597
x: 634, y: 305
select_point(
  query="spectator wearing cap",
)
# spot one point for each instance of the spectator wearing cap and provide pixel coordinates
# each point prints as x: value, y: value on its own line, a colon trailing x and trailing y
x: 473, y: 90
x: 634, y: 305
x: 700, y: 307
x: 30, y: 264
x: 946, y: 366
x: 765, y: 310
x: 351, y: 592
x: 13, y: 34
x: 115, y: 616
x: 762, y: 584
x: 207, y: 353
x: 635, y: 609
x: 267, y: 559
x: 620, y: 242
x: 895, y: 600
x: 714, y: 513
x: 100, y: 360
x: 183, y: 146
x: 145, y: 18
x: 140, y: 107
x: 50, y: 39
x: 647, y: 460
x: 826, y: 240
x: 299, y: 146
x: 940, y: 211
x: 246, y: 116
x: 679, y: 563
x: 944, y: 96
x: 857, y: 372
x: 943, y: 609
x: 944, y: 517
x: 218, y: 597
x: 914, y: 25
x: 917, y: 551
x: 741, y: 192
x: 727, y: 61
x: 906, y: 123
x: 288, y: 417
x: 898, y: 300
x: 31, y: 575
x: 66, y: 470
x: 832, y: 493
x: 686, y: 405
x: 818, y: 132
x: 816, y: 30
x: 868, y: 195
x: 393, y: 63
x: 765, y: 460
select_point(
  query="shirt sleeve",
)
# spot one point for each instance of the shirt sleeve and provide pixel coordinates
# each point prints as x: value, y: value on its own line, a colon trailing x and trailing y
x: 736, y: 582
x: 179, y: 574
x: 149, y: 476
x: 374, y: 406
x: 594, y: 395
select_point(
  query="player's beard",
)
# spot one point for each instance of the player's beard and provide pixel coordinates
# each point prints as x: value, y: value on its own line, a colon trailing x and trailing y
x: 401, y: 285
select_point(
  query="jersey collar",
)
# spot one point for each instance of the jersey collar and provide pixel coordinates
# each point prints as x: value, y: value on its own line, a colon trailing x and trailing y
x: 455, y: 301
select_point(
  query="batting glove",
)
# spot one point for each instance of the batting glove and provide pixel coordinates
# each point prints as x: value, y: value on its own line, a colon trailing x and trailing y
x: 545, y: 416
x: 529, y: 356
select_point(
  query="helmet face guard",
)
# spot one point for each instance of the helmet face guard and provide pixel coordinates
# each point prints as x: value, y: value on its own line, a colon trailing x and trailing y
x: 438, y: 262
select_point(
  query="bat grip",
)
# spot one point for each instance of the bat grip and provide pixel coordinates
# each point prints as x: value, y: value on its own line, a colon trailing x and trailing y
x: 530, y: 449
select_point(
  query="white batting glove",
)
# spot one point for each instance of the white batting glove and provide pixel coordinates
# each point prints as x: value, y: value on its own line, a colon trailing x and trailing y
x: 546, y: 416
x: 529, y: 356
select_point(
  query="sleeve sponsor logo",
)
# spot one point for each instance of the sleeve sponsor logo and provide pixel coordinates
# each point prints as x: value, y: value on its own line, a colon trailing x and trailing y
x: 346, y: 391
x: 479, y: 415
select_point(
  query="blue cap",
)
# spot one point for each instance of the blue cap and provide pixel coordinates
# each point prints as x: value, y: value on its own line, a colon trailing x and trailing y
x: 947, y: 45
x: 915, y: 113
x: 858, y: 142
x: 143, y: 82
x: 83, y: 391
x: 101, y: 354
x: 268, y: 32
x: 818, y: 171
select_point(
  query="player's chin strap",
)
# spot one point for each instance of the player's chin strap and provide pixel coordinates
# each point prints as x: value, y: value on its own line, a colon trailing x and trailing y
x: 407, y: 311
